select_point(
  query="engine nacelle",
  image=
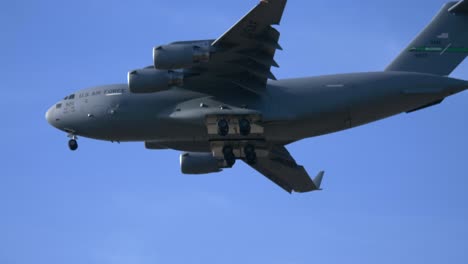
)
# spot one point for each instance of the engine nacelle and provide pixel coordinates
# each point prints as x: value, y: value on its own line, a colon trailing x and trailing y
x: 179, y: 56
x: 198, y: 163
x: 151, y: 80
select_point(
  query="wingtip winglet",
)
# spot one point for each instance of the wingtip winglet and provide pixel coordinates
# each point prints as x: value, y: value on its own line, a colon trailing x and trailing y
x: 318, y: 180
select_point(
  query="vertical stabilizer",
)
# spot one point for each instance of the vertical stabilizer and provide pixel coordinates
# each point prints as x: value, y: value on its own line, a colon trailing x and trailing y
x: 441, y: 46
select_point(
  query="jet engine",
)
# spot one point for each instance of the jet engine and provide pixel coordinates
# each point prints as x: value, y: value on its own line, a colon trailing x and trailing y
x: 179, y: 56
x: 198, y: 163
x: 150, y: 80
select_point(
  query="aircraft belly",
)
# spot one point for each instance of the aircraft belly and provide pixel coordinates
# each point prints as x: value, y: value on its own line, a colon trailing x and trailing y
x: 319, y: 124
x: 376, y: 104
x: 367, y: 112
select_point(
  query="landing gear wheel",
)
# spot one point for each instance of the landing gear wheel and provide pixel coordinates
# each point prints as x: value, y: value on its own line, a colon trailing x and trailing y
x: 229, y: 156
x: 244, y: 127
x: 73, y: 144
x: 223, y: 127
x: 250, y: 154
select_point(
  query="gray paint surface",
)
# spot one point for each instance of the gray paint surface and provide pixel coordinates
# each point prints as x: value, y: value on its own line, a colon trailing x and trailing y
x: 237, y: 82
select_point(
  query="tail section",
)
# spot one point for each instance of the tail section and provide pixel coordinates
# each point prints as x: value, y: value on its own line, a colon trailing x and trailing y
x: 442, y: 45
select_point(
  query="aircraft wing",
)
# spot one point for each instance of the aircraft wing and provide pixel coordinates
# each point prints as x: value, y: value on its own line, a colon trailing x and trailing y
x: 281, y: 168
x: 245, y: 53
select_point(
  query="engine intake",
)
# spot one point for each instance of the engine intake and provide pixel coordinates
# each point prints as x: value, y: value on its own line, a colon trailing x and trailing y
x: 198, y: 163
x: 151, y: 80
x: 179, y: 56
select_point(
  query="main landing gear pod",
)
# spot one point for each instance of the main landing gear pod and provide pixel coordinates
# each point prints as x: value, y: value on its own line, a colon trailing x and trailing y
x: 244, y: 127
x: 243, y: 124
x: 229, y: 156
x: 250, y: 154
x: 223, y: 127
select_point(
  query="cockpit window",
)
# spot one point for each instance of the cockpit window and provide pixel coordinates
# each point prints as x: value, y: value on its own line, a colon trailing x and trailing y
x: 70, y: 97
x: 58, y: 106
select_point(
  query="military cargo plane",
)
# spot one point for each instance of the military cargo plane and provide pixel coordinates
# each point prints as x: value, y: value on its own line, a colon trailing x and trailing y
x: 218, y: 102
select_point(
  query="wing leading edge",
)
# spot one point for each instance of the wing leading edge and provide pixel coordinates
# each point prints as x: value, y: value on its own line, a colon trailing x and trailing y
x: 245, y: 53
x: 281, y: 168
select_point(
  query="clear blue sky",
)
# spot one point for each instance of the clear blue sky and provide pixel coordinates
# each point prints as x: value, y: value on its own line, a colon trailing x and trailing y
x: 396, y: 191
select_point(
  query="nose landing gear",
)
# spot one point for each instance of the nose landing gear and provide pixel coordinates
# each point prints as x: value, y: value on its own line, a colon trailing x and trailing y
x: 73, y: 143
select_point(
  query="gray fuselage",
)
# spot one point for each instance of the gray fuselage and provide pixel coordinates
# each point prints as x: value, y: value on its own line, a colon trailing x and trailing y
x: 291, y: 109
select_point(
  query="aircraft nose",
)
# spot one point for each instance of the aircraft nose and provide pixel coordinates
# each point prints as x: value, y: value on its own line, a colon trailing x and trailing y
x: 49, y: 116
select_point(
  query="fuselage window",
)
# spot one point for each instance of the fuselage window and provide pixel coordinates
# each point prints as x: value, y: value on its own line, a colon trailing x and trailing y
x: 58, y: 106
